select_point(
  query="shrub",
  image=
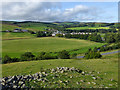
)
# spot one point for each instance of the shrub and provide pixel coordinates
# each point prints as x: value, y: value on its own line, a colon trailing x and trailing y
x: 92, y: 54
x: 73, y: 55
x: 27, y: 56
x: 6, y: 59
x: 63, y: 55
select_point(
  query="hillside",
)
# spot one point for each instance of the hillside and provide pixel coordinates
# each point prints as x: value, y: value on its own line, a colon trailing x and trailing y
x: 105, y: 69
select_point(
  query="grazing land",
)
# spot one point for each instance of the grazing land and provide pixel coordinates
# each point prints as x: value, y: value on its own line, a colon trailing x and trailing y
x: 9, y: 27
x: 81, y: 28
x: 105, y: 69
x: 15, y: 48
x: 12, y: 35
x: 44, y: 39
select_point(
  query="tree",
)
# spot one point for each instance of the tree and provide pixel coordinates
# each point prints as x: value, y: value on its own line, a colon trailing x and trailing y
x: 40, y: 34
x: 92, y: 54
x: 63, y: 55
x: 95, y: 49
x: 27, y: 56
x: 73, y: 55
x: 6, y: 59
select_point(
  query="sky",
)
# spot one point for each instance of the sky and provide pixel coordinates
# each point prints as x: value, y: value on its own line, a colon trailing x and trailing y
x: 60, y: 11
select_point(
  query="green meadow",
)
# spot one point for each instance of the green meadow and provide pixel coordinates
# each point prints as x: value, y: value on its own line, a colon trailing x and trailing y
x: 15, y: 48
x: 106, y: 66
x: 13, y: 35
x: 34, y: 26
x: 9, y: 27
x: 80, y: 28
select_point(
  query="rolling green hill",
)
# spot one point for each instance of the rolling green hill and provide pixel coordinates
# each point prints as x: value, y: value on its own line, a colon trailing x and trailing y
x: 106, y: 69
x: 12, y: 35
x: 15, y: 48
x: 80, y: 28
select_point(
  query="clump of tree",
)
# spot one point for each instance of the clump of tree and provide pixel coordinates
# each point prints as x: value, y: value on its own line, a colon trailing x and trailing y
x: 7, y: 59
x: 44, y: 55
x: 92, y: 37
x: 27, y: 56
x: 40, y: 34
x: 112, y: 37
x: 64, y: 54
x: 92, y: 54
x: 107, y: 47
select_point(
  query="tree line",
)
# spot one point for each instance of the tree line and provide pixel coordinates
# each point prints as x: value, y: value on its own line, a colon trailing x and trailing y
x: 92, y: 37
x: 28, y: 56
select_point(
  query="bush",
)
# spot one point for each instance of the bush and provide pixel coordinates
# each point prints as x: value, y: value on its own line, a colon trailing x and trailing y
x: 63, y: 55
x: 6, y: 59
x: 43, y: 56
x: 92, y: 54
x: 73, y: 55
x: 27, y: 56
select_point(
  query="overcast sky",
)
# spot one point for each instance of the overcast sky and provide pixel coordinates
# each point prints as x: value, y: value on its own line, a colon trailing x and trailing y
x: 60, y: 11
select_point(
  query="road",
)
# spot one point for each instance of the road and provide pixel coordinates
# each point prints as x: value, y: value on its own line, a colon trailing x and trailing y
x: 102, y: 54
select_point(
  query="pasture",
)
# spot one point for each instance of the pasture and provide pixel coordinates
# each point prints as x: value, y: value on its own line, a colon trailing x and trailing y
x: 35, y: 26
x: 81, y: 28
x: 105, y: 68
x: 12, y: 35
x: 15, y: 48
x: 9, y: 27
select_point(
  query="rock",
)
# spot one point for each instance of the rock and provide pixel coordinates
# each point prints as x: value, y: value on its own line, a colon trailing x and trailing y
x: 88, y: 82
x: 94, y: 83
x: 53, y: 77
x: 83, y: 73
x: 43, y: 73
x: 110, y: 84
x: 94, y: 78
x: 9, y: 80
x: 62, y: 71
x: 3, y: 83
x: 111, y: 79
x: 39, y: 79
x: 14, y: 77
x: 82, y: 80
x: 14, y: 86
x: 77, y: 83
x: 3, y: 80
x: 98, y: 72
x: 23, y: 86
x: 71, y: 77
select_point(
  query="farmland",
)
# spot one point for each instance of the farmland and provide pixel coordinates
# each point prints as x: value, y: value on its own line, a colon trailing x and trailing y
x: 97, y: 73
x: 80, y: 28
x: 9, y: 27
x: 47, y: 44
x: 12, y: 35
x: 107, y: 67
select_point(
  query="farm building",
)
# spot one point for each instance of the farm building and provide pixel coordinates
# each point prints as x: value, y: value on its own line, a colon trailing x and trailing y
x: 17, y: 30
x: 53, y: 34
x: 24, y: 30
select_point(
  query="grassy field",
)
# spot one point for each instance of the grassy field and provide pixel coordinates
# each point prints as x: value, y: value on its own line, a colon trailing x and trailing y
x: 34, y: 26
x: 107, y: 68
x: 47, y: 44
x: 12, y: 35
x: 28, y: 26
x: 80, y: 28
x: 9, y: 27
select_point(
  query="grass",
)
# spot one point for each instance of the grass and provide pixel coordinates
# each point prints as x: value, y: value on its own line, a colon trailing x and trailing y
x: 12, y: 35
x: 34, y: 26
x: 80, y: 28
x: 28, y: 26
x: 108, y: 68
x: 15, y: 48
x: 9, y: 27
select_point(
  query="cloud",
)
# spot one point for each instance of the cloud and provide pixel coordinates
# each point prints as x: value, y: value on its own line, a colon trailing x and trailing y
x: 47, y: 11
